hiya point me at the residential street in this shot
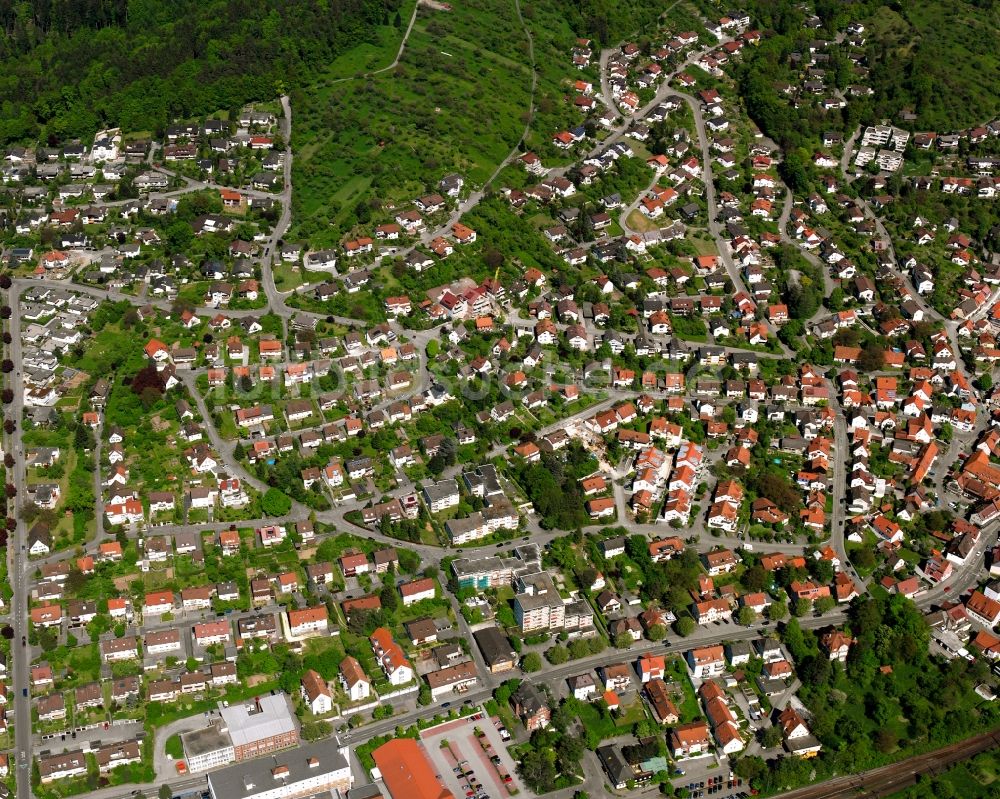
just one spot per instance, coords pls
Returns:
(19, 569)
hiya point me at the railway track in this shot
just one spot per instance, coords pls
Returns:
(885, 780)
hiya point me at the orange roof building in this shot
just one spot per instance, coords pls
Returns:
(407, 771)
(155, 346)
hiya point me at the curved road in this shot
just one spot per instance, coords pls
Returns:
(476, 197)
(399, 52)
(714, 226)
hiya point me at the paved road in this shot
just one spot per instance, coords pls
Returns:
(845, 157)
(179, 785)
(337, 516)
(476, 196)
(226, 449)
(275, 300)
(950, 327)
(714, 227)
(703, 636)
(839, 489)
(162, 304)
(98, 481)
(828, 284)
(627, 212)
(18, 570)
(270, 251)
(621, 130)
(164, 766)
(607, 96)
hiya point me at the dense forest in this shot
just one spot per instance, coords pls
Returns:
(610, 21)
(69, 67)
(937, 61)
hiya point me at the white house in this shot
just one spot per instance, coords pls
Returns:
(354, 680)
(316, 693)
(707, 661)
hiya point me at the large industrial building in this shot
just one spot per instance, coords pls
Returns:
(317, 769)
(246, 730)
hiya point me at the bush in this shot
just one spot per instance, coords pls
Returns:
(424, 697)
(276, 503)
(777, 610)
(863, 559)
(531, 662)
(824, 604)
(771, 737)
(316, 730)
(746, 616)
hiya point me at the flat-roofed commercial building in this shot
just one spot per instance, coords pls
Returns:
(249, 729)
(317, 769)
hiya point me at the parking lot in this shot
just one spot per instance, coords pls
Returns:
(723, 785)
(93, 735)
(464, 762)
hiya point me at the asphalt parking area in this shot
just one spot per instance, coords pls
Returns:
(455, 745)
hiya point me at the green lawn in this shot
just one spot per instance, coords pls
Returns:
(688, 708)
(194, 292)
(596, 720)
(629, 715)
(289, 276)
(174, 747)
(82, 664)
(324, 655)
(704, 246)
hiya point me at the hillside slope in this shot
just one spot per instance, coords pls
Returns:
(458, 101)
(939, 59)
(69, 67)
